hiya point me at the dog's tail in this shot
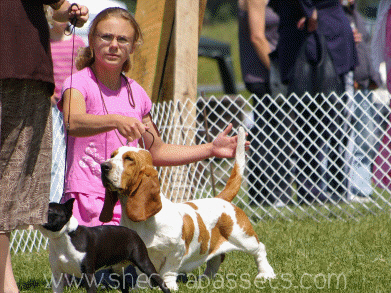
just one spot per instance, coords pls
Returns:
(233, 184)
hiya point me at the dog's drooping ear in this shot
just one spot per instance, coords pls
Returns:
(144, 197)
(111, 198)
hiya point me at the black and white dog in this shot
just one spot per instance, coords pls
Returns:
(80, 251)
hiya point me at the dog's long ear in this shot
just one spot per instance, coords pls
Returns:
(111, 198)
(144, 197)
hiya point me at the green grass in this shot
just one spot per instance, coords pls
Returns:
(307, 256)
(208, 72)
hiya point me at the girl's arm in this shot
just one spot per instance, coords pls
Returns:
(164, 154)
(82, 124)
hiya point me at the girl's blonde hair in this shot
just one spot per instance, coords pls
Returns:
(86, 58)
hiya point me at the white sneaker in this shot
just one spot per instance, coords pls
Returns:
(279, 204)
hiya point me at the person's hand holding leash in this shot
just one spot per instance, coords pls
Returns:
(64, 11)
(80, 12)
(131, 128)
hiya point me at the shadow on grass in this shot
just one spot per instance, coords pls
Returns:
(31, 285)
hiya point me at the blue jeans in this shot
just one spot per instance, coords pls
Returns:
(362, 145)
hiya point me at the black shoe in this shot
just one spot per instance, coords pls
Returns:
(182, 277)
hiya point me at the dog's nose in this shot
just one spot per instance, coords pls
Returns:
(105, 167)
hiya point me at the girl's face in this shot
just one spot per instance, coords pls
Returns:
(113, 42)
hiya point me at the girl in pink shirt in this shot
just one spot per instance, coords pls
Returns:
(108, 110)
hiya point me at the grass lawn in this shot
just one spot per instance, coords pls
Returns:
(208, 72)
(307, 256)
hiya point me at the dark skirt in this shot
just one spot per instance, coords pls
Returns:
(25, 152)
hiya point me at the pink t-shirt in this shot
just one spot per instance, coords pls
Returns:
(62, 60)
(85, 154)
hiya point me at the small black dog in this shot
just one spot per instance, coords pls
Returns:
(80, 251)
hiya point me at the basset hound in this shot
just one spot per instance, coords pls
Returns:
(180, 236)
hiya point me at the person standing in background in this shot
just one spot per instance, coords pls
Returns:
(364, 129)
(269, 164)
(306, 28)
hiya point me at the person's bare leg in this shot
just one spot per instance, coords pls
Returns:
(7, 279)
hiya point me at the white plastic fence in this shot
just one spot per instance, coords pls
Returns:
(311, 157)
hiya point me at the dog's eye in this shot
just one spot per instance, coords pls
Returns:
(130, 159)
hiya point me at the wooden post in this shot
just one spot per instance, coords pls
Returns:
(156, 20)
(166, 64)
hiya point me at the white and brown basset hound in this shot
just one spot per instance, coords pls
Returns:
(180, 236)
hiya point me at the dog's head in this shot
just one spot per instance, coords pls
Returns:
(60, 219)
(130, 172)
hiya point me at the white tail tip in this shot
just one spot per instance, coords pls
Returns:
(240, 150)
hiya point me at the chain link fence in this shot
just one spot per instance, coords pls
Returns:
(311, 157)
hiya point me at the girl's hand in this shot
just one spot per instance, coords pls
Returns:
(224, 146)
(131, 128)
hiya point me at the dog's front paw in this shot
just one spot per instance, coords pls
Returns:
(170, 280)
(173, 286)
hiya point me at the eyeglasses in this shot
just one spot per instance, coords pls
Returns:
(108, 38)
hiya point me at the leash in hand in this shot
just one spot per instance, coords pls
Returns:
(73, 21)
